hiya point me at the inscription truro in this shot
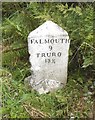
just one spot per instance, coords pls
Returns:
(53, 54)
(49, 54)
(48, 47)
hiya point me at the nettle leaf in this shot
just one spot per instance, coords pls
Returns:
(61, 7)
(61, 99)
(87, 62)
(78, 10)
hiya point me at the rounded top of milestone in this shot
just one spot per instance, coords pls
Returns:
(48, 28)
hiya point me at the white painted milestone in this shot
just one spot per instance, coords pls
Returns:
(48, 47)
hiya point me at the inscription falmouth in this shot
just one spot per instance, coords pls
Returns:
(51, 53)
(47, 41)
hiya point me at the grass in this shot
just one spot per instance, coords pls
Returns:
(22, 102)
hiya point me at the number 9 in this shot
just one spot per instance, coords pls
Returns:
(50, 47)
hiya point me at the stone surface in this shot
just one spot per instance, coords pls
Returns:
(48, 47)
